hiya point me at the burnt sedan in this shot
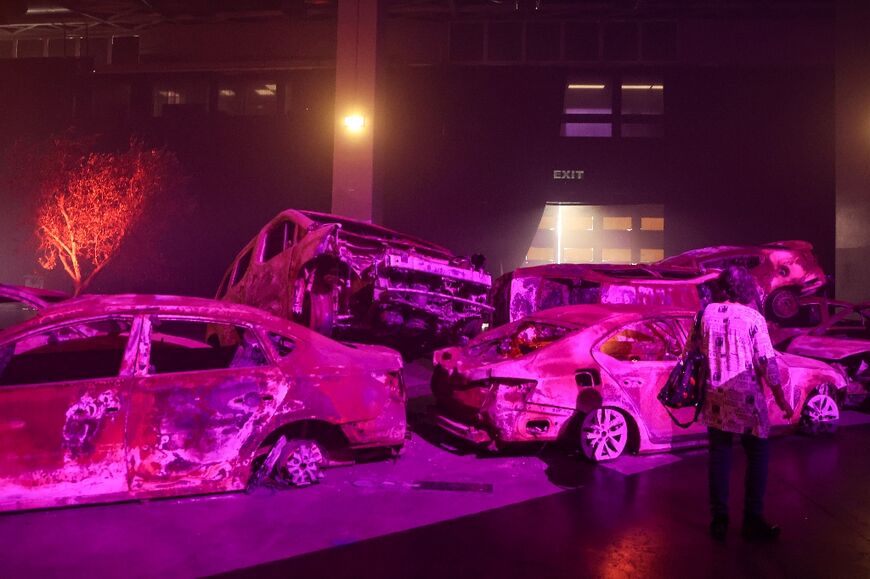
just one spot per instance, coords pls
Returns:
(588, 375)
(359, 281)
(20, 303)
(526, 290)
(109, 398)
(784, 270)
(835, 332)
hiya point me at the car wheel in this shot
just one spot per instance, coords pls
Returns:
(820, 414)
(301, 463)
(782, 305)
(604, 434)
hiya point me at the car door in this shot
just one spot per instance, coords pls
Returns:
(639, 356)
(198, 407)
(64, 400)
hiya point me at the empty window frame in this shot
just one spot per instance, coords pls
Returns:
(181, 346)
(278, 238)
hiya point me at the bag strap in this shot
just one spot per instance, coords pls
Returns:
(696, 336)
(689, 423)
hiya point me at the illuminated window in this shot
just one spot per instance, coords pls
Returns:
(591, 109)
(616, 255)
(540, 254)
(574, 233)
(652, 223)
(617, 223)
(578, 255)
(183, 96)
(588, 98)
(650, 255)
(593, 99)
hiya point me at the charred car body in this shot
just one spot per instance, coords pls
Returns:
(784, 270)
(110, 398)
(19, 303)
(589, 376)
(355, 280)
(526, 290)
(835, 332)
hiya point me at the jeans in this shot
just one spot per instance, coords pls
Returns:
(757, 453)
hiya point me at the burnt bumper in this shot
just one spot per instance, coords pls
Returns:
(468, 432)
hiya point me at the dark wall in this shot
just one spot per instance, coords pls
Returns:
(467, 157)
(242, 171)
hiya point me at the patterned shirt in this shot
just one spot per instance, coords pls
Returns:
(739, 351)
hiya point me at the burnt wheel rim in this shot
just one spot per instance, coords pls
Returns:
(822, 408)
(303, 463)
(784, 304)
(604, 434)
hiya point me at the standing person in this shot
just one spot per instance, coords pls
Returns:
(741, 362)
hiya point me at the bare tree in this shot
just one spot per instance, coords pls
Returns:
(90, 202)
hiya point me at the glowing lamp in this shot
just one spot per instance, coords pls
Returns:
(354, 123)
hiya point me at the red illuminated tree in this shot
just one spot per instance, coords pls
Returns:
(89, 202)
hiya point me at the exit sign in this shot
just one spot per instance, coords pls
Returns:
(569, 175)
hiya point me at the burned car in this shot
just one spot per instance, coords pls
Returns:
(111, 398)
(526, 290)
(835, 332)
(20, 303)
(359, 281)
(588, 376)
(784, 270)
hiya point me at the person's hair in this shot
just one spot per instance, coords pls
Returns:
(736, 284)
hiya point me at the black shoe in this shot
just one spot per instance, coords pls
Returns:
(757, 529)
(719, 527)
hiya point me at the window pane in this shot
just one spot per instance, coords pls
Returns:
(642, 130)
(183, 96)
(587, 130)
(578, 255)
(588, 98)
(642, 97)
(650, 255)
(182, 346)
(84, 351)
(652, 223)
(616, 255)
(617, 223)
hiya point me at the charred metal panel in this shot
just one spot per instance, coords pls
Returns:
(61, 443)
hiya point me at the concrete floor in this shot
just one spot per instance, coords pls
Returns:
(540, 514)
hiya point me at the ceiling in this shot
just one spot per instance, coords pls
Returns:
(26, 17)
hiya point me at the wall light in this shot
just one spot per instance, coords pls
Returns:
(585, 86)
(354, 123)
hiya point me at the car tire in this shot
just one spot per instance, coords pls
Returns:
(782, 305)
(820, 413)
(318, 303)
(291, 463)
(605, 434)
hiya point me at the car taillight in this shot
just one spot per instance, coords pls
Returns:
(513, 391)
(395, 383)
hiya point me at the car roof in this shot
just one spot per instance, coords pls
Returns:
(38, 297)
(590, 314)
(98, 305)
